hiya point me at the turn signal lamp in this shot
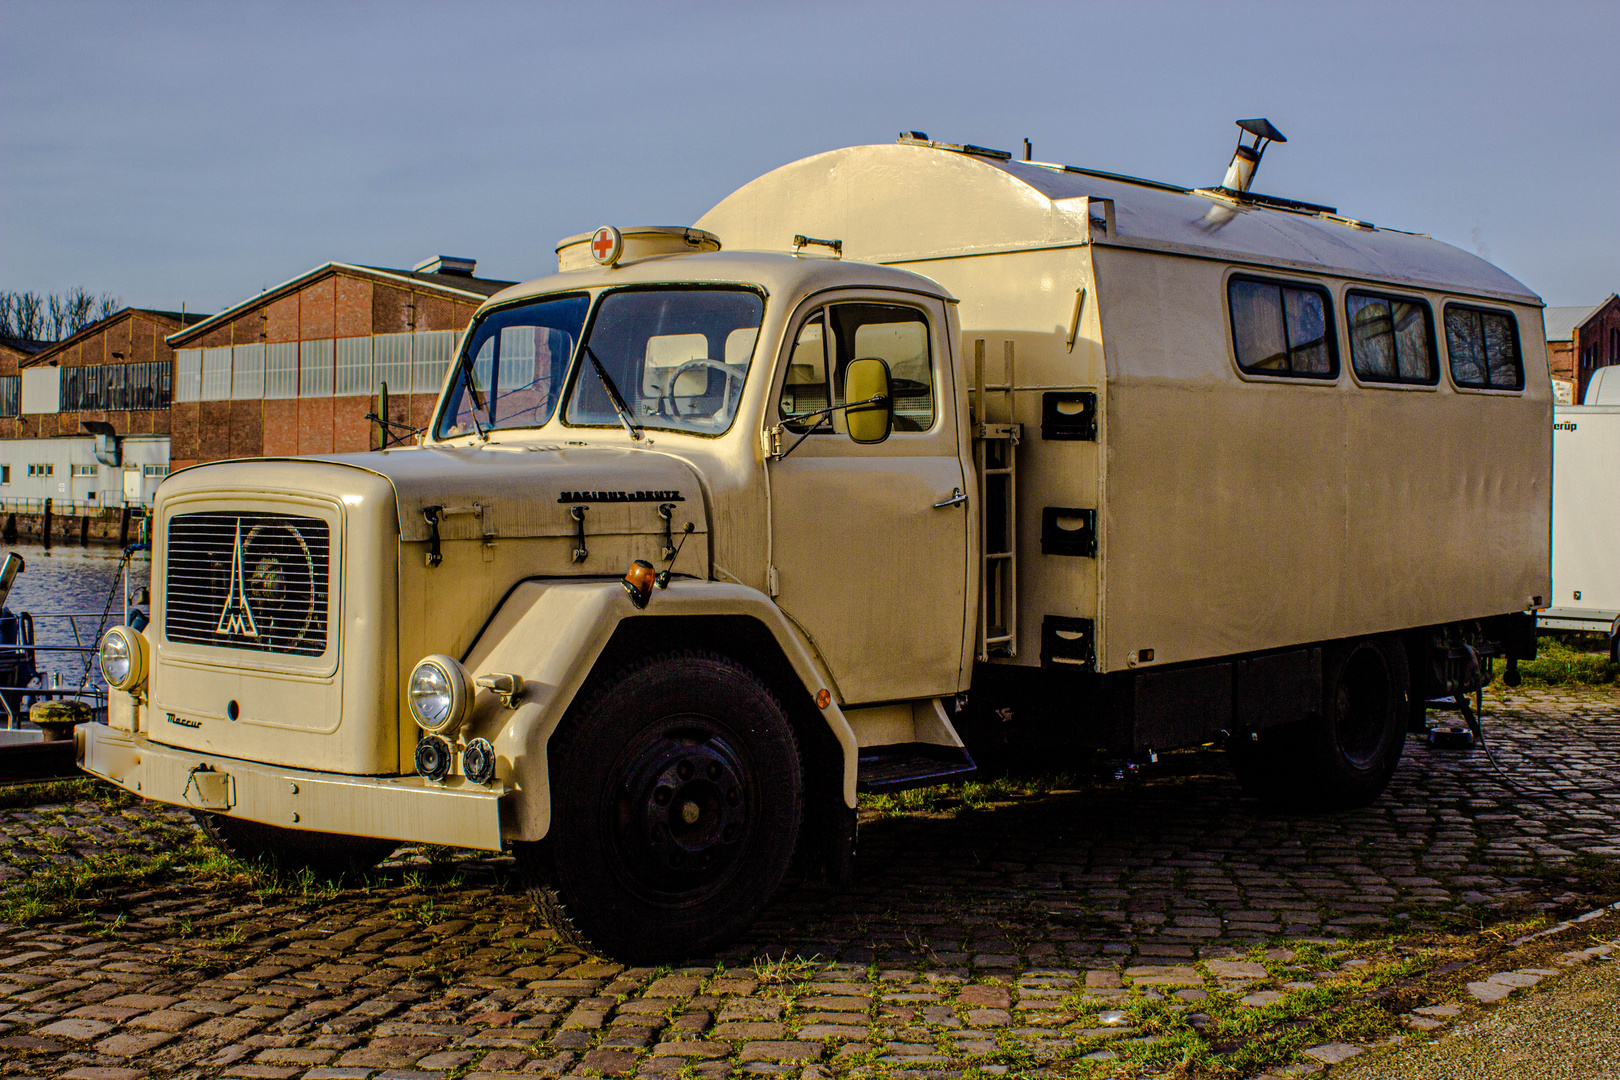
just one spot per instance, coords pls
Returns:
(123, 658)
(638, 582)
(440, 694)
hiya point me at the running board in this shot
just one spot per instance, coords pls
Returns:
(911, 765)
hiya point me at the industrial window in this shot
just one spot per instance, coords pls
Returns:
(216, 374)
(5, 474)
(1484, 348)
(391, 362)
(315, 369)
(431, 360)
(84, 470)
(188, 375)
(155, 470)
(1391, 339)
(847, 332)
(1280, 328)
(11, 395)
(281, 369)
(42, 470)
(353, 366)
(247, 372)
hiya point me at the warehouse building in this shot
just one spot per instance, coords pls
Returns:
(296, 369)
(85, 421)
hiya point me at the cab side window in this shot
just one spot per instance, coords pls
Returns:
(1484, 348)
(1281, 328)
(1391, 339)
(841, 333)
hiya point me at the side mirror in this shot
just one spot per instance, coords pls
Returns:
(867, 380)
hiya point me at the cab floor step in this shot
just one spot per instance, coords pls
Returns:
(910, 765)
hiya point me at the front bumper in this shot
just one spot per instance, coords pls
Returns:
(409, 809)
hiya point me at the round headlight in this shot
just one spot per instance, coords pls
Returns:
(440, 694)
(123, 658)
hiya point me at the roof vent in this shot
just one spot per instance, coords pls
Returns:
(446, 264)
(1246, 159)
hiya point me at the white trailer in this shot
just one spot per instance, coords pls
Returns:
(1586, 515)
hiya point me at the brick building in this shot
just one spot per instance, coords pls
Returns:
(296, 369)
(113, 375)
(1579, 341)
(14, 352)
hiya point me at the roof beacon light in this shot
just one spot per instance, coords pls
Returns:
(1246, 159)
(638, 582)
(607, 244)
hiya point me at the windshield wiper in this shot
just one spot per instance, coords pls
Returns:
(477, 398)
(619, 406)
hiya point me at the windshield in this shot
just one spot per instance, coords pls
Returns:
(519, 361)
(678, 357)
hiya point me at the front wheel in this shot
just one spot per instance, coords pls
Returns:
(677, 796)
(1344, 755)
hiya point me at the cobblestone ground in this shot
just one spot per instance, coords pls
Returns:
(1085, 932)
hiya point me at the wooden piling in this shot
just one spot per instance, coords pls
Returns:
(84, 531)
(123, 527)
(45, 527)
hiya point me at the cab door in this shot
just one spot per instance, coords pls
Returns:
(870, 542)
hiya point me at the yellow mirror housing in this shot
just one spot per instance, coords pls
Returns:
(867, 380)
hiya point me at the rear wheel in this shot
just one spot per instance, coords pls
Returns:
(327, 854)
(677, 797)
(1344, 755)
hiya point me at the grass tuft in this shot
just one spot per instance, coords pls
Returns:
(1570, 659)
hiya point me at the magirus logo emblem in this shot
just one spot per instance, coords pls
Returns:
(236, 617)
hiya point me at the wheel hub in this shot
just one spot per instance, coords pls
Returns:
(686, 808)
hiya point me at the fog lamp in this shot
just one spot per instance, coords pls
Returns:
(478, 761)
(440, 693)
(433, 757)
(638, 582)
(123, 658)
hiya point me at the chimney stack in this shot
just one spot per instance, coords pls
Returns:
(1246, 159)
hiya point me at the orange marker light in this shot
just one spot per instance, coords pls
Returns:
(638, 582)
(823, 698)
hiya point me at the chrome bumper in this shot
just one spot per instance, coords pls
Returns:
(409, 809)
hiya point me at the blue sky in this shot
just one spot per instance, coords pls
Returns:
(199, 152)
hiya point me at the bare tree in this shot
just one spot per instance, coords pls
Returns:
(22, 314)
(53, 317)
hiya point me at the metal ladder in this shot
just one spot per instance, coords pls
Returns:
(995, 443)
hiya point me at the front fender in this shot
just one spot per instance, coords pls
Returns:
(553, 632)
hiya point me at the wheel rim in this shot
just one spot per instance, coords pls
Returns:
(683, 802)
(1361, 707)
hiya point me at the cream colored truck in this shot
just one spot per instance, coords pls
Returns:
(717, 539)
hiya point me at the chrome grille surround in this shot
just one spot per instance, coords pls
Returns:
(248, 580)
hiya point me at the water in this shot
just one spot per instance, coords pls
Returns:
(74, 579)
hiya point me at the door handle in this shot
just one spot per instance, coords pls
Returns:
(957, 499)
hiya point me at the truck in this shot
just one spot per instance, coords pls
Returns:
(719, 526)
(1586, 513)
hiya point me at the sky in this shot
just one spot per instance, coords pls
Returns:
(197, 153)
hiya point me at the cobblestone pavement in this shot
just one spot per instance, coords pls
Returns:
(1096, 931)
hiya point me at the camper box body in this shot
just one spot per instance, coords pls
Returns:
(1233, 513)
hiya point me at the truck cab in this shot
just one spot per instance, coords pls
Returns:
(426, 644)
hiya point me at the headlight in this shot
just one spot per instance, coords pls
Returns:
(440, 694)
(123, 658)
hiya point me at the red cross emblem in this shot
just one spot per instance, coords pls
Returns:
(606, 245)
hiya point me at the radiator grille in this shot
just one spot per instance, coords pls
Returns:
(248, 581)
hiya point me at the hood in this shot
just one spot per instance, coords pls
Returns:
(522, 491)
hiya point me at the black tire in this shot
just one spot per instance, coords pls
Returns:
(326, 854)
(677, 797)
(1344, 755)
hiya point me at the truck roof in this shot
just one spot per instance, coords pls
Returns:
(908, 203)
(778, 274)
